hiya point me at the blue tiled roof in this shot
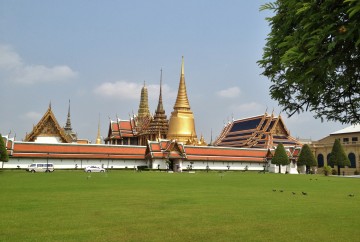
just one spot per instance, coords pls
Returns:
(245, 125)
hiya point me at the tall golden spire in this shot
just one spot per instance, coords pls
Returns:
(182, 123)
(182, 101)
(143, 110)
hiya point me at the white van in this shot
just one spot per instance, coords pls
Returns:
(41, 167)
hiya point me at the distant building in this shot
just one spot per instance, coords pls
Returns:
(262, 131)
(350, 140)
(48, 130)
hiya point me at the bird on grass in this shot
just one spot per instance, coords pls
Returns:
(281, 190)
(293, 193)
(274, 190)
(304, 193)
(351, 195)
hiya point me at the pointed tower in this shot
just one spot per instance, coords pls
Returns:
(68, 128)
(159, 125)
(98, 137)
(143, 110)
(182, 123)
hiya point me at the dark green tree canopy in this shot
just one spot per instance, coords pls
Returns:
(280, 156)
(306, 157)
(312, 57)
(338, 156)
(3, 152)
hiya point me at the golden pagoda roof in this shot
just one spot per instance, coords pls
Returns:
(182, 123)
(48, 126)
(182, 101)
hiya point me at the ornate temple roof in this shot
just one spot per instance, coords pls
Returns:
(170, 149)
(119, 129)
(76, 151)
(48, 126)
(159, 124)
(263, 131)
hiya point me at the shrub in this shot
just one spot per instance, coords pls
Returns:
(327, 170)
(334, 172)
(356, 172)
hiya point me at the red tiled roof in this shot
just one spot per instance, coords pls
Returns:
(29, 149)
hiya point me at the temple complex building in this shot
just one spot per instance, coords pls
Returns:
(157, 142)
(350, 141)
(48, 130)
(262, 131)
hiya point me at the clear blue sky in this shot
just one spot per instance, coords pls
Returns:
(99, 53)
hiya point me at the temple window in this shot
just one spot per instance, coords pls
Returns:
(354, 139)
(320, 159)
(352, 159)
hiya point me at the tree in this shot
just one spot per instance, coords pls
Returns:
(338, 156)
(306, 157)
(4, 157)
(312, 57)
(280, 157)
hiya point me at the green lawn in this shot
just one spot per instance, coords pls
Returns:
(158, 206)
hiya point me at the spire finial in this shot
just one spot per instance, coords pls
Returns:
(67, 127)
(160, 107)
(182, 101)
(98, 138)
(182, 65)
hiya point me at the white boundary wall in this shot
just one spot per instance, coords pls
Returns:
(23, 163)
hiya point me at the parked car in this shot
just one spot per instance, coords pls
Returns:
(94, 169)
(40, 167)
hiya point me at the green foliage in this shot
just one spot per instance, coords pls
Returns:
(338, 156)
(280, 156)
(306, 157)
(312, 57)
(327, 170)
(3, 152)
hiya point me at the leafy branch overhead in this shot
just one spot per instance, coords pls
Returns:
(312, 57)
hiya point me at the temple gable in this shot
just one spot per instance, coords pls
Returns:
(48, 130)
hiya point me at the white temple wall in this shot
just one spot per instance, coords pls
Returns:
(47, 139)
(220, 165)
(23, 163)
(158, 164)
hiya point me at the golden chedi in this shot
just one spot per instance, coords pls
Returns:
(182, 123)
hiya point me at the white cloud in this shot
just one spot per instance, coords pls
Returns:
(231, 92)
(119, 90)
(124, 90)
(252, 108)
(33, 116)
(14, 69)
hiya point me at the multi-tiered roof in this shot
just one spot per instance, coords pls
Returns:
(263, 131)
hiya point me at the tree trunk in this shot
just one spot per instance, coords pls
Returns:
(338, 170)
(279, 168)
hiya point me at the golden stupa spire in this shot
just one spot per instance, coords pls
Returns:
(98, 138)
(182, 123)
(182, 101)
(143, 110)
(160, 107)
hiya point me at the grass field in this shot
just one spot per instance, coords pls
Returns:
(158, 206)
